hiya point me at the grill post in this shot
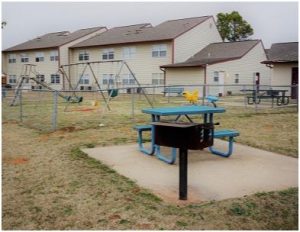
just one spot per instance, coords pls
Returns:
(183, 167)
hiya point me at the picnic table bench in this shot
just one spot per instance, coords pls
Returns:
(177, 90)
(257, 95)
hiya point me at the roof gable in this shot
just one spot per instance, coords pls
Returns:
(283, 52)
(218, 52)
(143, 32)
(54, 39)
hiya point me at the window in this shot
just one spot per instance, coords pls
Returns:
(55, 79)
(236, 79)
(54, 56)
(12, 79)
(157, 78)
(24, 58)
(128, 79)
(129, 52)
(85, 79)
(108, 79)
(108, 54)
(39, 57)
(41, 77)
(83, 55)
(159, 50)
(216, 76)
(12, 58)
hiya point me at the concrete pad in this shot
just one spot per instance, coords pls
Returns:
(247, 171)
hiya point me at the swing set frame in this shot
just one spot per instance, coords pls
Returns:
(112, 92)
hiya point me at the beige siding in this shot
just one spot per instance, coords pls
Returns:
(282, 76)
(195, 40)
(186, 76)
(46, 67)
(245, 67)
(142, 64)
(65, 53)
(64, 49)
(4, 63)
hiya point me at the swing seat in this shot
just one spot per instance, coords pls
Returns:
(113, 92)
(74, 99)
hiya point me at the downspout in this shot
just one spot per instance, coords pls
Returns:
(205, 82)
(164, 71)
(173, 50)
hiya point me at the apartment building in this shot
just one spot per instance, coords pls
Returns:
(283, 63)
(47, 52)
(144, 47)
(220, 64)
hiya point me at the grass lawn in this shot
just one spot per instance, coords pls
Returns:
(47, 183)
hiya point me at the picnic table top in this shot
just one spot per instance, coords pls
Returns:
(181, 110)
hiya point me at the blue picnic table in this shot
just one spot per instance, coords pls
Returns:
(180, 111)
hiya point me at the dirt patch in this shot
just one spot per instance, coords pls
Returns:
(67, 129)
(82, 110)
(16, 161)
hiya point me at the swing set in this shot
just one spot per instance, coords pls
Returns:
(29, 72)
(112, 83)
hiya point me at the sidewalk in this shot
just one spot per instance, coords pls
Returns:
(247, 171)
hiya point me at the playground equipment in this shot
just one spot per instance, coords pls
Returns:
(29, 73)
(191, 97)
(112, 87)
(212, 100)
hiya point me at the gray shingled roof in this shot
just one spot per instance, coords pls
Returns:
(143, 32)
(52, 39)
(217, 52)
(283, 53)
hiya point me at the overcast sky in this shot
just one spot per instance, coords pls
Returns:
(272, 22)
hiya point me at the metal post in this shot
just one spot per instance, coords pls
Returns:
(132, 103)
(245, 96)
(21, 105)
(255, 97)
(183, 153)
(203, 95)
(54, 111)
(153, 93)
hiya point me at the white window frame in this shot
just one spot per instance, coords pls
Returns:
(55, 79)
(108, 79)
(236, 78)
(85, 79)
(108, 54)
(216, 76)
(41, 77)
(83, 55)
(39, 57)
(12, 79)
(157, 79)
(12, 58)
(159, 50)
(128, 79)
(24, 58)
(54, 55)
(129, 52)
